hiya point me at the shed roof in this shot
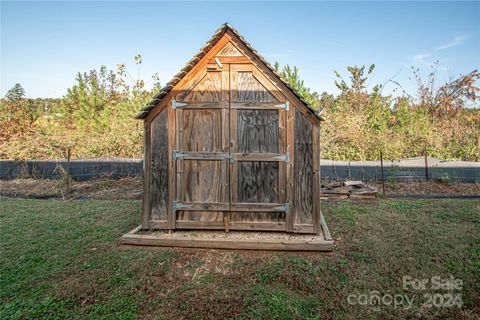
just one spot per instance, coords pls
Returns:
(210, 43)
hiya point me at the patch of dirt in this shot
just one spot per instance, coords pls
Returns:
(132, 188)
(105, 188)
(429, 187)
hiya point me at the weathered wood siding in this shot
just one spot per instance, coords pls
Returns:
(246, 88)
(159, 167)
(258, 182)
(257, 131)
(232, 151)
(208, 89)
(203, 181)
(202, 130)
(258, 217)
(229, 51)
(303, 169)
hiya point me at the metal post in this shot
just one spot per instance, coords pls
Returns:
(383, 177)
(426, 164)
(69, 154)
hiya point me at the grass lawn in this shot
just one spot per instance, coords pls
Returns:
(63, 260)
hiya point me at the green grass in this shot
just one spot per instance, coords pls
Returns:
(63, 260)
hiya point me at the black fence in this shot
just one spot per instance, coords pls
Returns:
(78, 169)
(414, 169)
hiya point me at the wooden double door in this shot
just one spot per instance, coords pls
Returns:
(231, 156)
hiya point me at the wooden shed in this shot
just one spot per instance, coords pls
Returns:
(229, 145)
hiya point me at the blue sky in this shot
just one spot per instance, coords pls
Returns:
(44, 44)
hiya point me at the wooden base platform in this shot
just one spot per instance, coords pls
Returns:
(237, 240)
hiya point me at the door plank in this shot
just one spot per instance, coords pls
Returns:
(235, 225)
(204, 150)
(260, 207)
(290, 191)
(172, 137)
(202, 130)
(258, 156)
(210, 206)
(257, 131)
(258, 181)
(282, 140)
(180, 144)
(233, 165)
(316, 180)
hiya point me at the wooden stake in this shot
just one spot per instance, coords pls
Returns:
(226, 223)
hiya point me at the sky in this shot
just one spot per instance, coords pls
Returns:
(45, 44)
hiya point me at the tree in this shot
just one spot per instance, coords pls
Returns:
(327, 101)
(18, 113)
(16, 93)
(94, 92)
(446, 100)
(291, 76)
(357, 77)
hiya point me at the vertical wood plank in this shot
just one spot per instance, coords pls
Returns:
(258, 182)
(225, 83)
(257, 131)
(201, 130)
(282, 140)
(225, 148)
(233, 149)
(179, 146)
(203, 181)
(316, 180)
(303, 169)
(290, 192)
(226, 141)
(320, 174)
(158, 167)
(171, 166)
(146, 176)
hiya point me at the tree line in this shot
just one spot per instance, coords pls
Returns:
(95, 118)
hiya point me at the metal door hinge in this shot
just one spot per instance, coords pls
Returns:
(178, 155)
(285, 157)
(179, 205)
(283, 208)
(176, 104)
(285, 105)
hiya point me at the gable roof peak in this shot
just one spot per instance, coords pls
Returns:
(190, 64)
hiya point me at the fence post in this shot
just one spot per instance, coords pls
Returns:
(426, 163)
(69, 154)
(383, 177)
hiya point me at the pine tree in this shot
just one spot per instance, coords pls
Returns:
(16, 93)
